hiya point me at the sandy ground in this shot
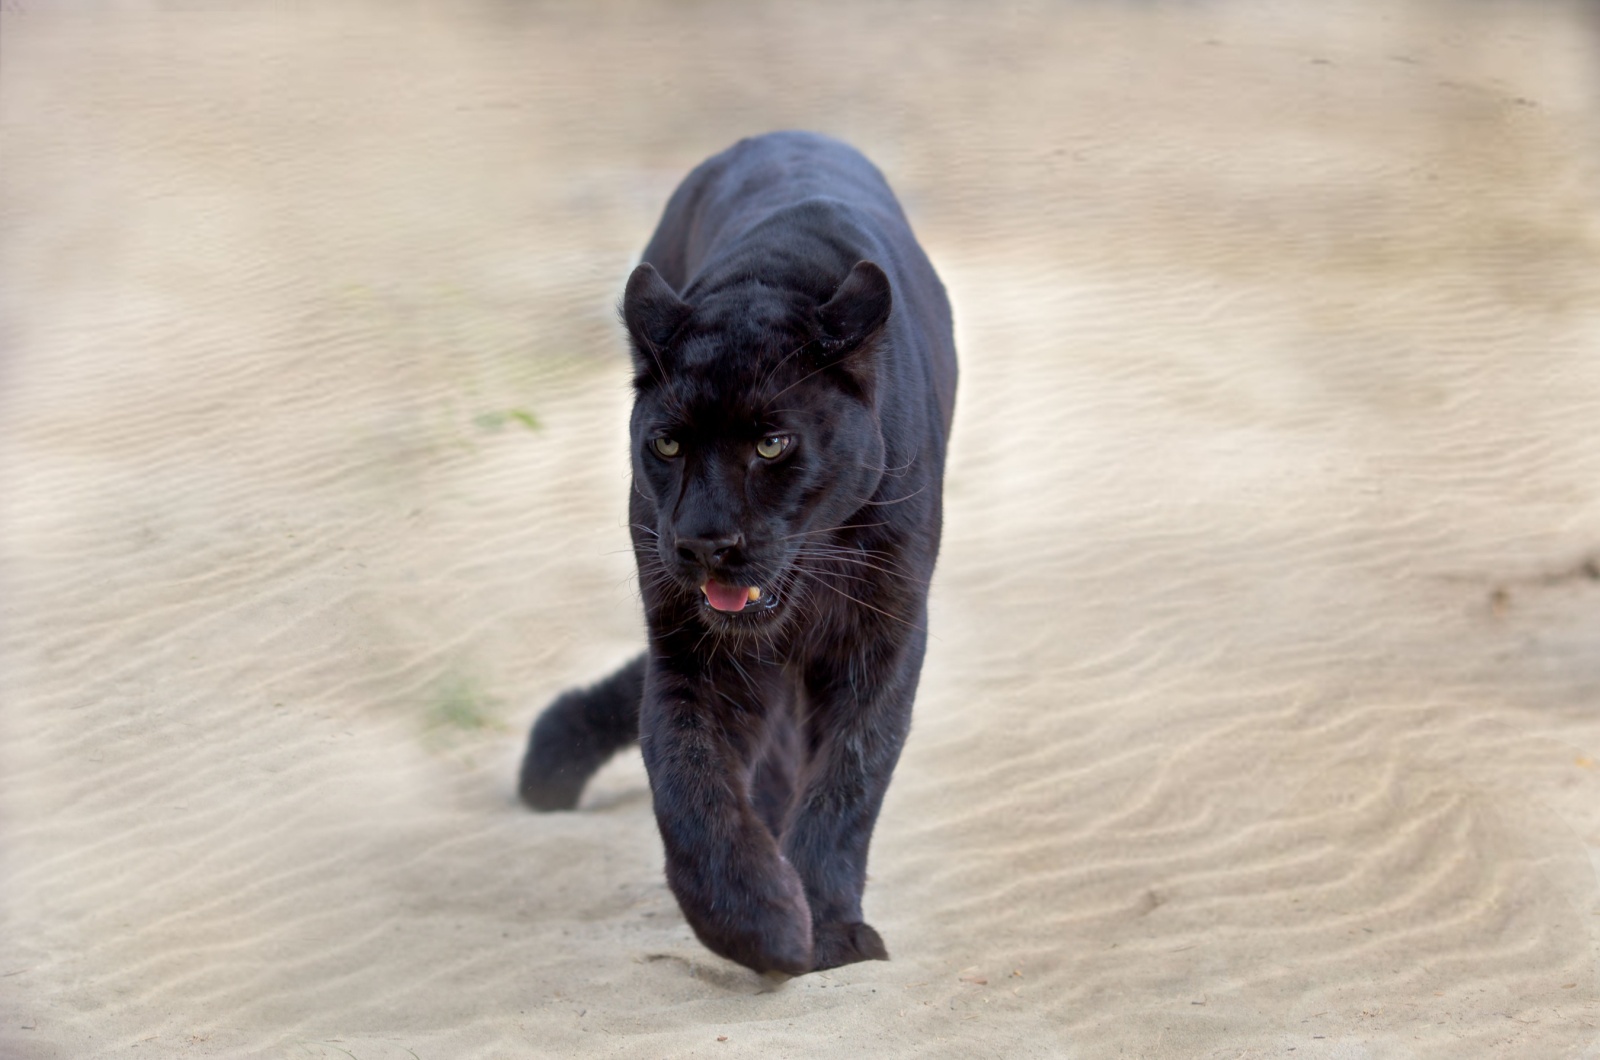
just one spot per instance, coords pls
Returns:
(1262, 711)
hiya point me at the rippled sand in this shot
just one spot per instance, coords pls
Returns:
(1263, 705)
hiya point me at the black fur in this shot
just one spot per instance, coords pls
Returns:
(783, 297)
(577, 733)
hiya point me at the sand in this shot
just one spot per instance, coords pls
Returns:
(1261, 715)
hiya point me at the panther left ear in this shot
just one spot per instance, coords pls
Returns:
(850, 319)
(857, 309)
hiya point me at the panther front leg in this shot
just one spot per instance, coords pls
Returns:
(738, 892)
(831, 828)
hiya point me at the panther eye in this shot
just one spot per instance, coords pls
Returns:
(665, 447)
(769, 447)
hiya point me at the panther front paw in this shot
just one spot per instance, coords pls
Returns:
(763, 922)
(835, 944)
(763, 939)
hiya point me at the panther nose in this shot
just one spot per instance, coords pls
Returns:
(709, 552)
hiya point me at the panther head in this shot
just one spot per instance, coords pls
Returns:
(755, 433)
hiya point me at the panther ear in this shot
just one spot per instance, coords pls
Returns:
(652, 312)
(855, 313)
(857, 309)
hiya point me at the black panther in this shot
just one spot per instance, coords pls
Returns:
(794, 378)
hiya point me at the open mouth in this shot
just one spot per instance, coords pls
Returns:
(733, 599)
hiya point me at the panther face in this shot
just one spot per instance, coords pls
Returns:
(754, 435)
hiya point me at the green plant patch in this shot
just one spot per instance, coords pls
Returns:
(460, 704)
(499, 418)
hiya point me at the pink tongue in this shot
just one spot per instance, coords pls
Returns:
(726, 597)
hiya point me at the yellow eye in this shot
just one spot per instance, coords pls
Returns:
(665, 447)
(768, 448)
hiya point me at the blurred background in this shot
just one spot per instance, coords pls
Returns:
(1262, 706)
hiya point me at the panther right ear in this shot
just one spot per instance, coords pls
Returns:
(652, 312)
